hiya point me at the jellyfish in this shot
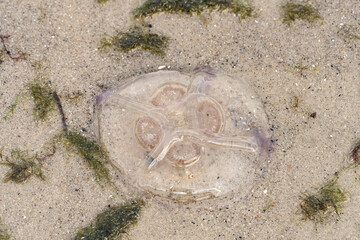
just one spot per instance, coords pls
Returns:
(185, 136)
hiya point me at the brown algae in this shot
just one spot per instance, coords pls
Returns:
(136, 37)
(325, 202)
(111, 223)
(241, 8)
(303, 11)
(91, 152)
(22, 166)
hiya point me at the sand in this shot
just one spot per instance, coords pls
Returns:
(64, 36)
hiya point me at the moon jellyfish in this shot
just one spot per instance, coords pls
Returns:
(185, 136)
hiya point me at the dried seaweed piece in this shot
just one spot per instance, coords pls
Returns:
(112, 222)
(43, 99)
(22, 167)
(61, 110)
(136, 37)
(355, 154)
(241, 8)
(91, 152)
(303, 11)
(323, 204)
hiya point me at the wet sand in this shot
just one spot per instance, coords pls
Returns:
(64, 36)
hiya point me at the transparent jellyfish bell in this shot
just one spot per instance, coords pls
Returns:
(185, 136)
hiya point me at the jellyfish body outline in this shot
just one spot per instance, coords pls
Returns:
(172, 134)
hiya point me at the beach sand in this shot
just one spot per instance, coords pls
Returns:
(296, 70)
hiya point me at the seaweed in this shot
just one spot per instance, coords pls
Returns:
(42, 14)
(106, 43)
(295, 102)
(42, 96)
(111, 223)
(12, 107)
(21, 55)
(348, 32)
(61, 111)
(241, 8)
(355, 154)
(43, 99)
(302, 68)
(324, 203)
(136, 37)
(86, 147)
(91, 152)
(303, 11)
(4, 235)
(22, 167)
(102, 2)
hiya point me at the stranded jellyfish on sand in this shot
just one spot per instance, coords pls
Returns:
(185, 136)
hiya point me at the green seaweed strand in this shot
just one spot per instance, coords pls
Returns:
(112, 222)
(91, 152)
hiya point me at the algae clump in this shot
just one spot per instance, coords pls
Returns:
(86, 147)
(4, 235)
(323, 204)
(136, 37)
(348, 32)
(12, 107)
(102, 2)
(303, 11)
(112, 222)
(242, 9)
(22, 167)
(150, 7)
(91, 152)
(43, 99)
